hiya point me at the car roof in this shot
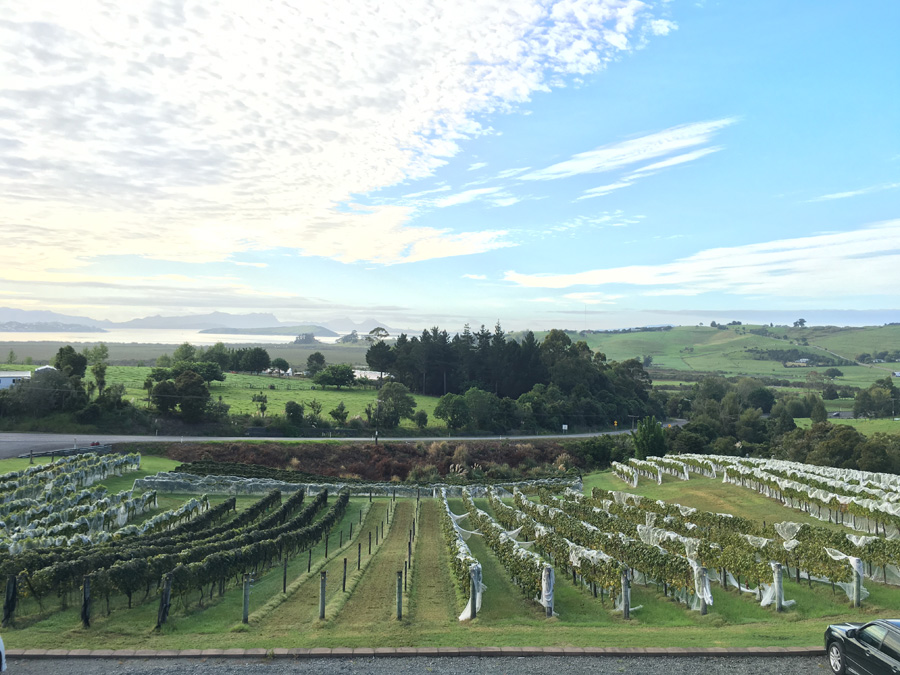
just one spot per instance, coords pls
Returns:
(892, 622)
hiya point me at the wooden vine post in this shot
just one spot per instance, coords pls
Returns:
(779, 592)
(284, 577)
(86, 602)
(322, 596)
(399, 595)
(344, 583)
(245, 618)
(626, 596)
(165, 601)
(703, 608)
(12, 598)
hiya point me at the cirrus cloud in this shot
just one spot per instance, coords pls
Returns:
(841, 264)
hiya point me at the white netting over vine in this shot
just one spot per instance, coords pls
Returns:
(849, 587)
(787, 530)
(464, 555)
(864, 501)
(475, 575)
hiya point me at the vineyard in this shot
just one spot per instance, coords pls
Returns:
(687, 550)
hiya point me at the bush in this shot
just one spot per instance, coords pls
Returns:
(89, 414)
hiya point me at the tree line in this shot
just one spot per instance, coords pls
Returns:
(489, 382)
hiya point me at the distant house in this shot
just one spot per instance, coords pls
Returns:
(896, 373)
(802, 360)
(10, 377)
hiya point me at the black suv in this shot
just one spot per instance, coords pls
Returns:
(864, 649)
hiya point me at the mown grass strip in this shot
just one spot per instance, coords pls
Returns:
(432, 597)
(374, 601)
(301, 611)
(502, 602)
(308, 581)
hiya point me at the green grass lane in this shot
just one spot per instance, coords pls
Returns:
(432, 599)
(373, 603)
(502, 603)
(299, 613)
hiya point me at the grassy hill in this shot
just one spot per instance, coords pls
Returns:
(702, 349)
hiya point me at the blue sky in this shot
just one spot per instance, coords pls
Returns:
(589, 164)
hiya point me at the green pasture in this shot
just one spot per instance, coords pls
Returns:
(702, 349)
(864, 426)
(238, 390)
(364, 613)
(851, 341)
(133, 353)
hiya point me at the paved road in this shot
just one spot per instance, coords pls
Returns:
(537, 665)
(15, 444)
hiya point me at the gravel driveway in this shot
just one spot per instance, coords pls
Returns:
(537, 665)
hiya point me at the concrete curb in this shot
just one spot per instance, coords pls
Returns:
(370, 652)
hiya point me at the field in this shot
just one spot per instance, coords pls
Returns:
(864, 426)
(700, 349)
(365, 613)
(131, 354)
(238, 390)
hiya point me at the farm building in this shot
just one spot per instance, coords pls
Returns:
(9, 377)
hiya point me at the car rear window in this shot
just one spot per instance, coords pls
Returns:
(891, 645)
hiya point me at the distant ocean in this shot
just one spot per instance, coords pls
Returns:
(154, 336)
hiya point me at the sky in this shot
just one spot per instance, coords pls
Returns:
(589, 164)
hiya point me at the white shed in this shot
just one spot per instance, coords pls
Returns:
(9, 377)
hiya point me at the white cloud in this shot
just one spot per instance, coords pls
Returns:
(856, 193)
(593, 298)
(464, 197)
(413, 195)
(605, 189)
(505, 201)
(662, 26)
(830, 265)
(648, 170)
(192, 132)
(674, 161)
(477, 277)
(509, 173)
(608, 219)
(665, 292)
(476, 166)
(625, 153)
